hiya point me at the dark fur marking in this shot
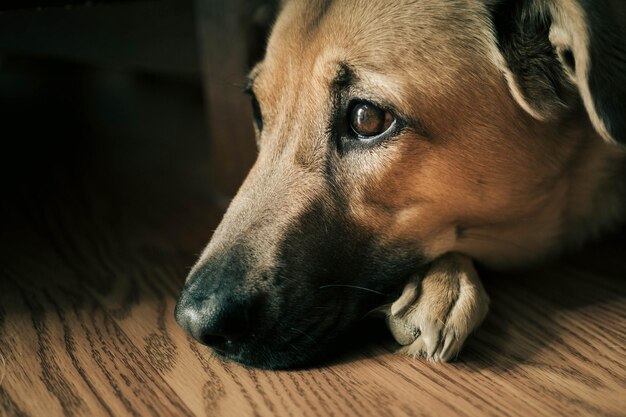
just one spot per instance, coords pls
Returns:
(326, 248)
(343, 80)
(568, 60)
(344, 77)
(522, 35)
(607, 55)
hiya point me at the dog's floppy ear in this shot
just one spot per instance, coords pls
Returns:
(551, 49)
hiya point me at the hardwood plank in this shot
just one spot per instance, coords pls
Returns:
(65, 353)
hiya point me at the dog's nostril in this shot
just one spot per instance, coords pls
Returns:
(217, 322)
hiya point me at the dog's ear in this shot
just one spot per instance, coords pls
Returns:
(553, 51)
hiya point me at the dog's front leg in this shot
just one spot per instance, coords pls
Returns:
(436, 312)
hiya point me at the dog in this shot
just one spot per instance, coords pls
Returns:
(400, 141)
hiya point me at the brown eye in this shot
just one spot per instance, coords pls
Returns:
(367, 120)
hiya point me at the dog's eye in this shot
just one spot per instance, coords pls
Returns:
(368, 120)
(256, 107)
(256, 112)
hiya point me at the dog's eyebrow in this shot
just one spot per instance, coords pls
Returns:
(344, 77)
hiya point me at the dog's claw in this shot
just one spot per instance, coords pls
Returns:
(431, 335)
(409, 294)
(434, 315)
(448, 347)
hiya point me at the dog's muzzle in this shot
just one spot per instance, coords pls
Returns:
(290, 308)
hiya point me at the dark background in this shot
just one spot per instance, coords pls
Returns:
(126, 95)
(98, 99)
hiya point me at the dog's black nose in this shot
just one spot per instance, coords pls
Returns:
(219, 305)
(217, 319)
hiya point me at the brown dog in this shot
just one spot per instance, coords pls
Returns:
(402, 140)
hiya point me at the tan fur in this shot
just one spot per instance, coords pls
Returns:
(483, 177)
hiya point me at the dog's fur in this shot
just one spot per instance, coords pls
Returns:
(506, 151)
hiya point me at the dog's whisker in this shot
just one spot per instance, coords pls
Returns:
(352, 286)
(295, 348)
(377, 311)
(303, 334)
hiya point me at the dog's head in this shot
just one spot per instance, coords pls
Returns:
(389, 133)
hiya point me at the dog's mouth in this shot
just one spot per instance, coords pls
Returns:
(287, 347)
(269, 357)
(284, 352)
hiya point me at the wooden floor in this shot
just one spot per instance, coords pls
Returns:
(93, 255)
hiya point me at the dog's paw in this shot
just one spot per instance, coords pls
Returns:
(435, 313)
